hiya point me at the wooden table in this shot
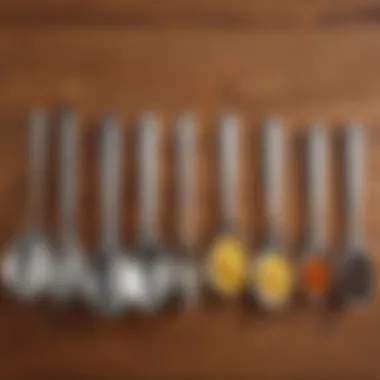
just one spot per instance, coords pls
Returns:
(304, 60)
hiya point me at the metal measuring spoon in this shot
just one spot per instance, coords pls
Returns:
(157, 263)
(271, 274)
(107, 285)
(315, 269)
(226, 262)
(355, 271)
(70, 263)
(27, 264)
(188, 267)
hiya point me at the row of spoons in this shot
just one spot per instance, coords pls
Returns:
(114, 279)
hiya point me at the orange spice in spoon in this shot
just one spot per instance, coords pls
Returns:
(315, 276)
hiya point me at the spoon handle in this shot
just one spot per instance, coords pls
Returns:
(37, 166)
(316, 186)
(272, 174)
(110, 181)
(354, 167)
(186, 188)
(229, 162)
(68, 174)
(148, 179)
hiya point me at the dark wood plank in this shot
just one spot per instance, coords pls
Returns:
(198, 14)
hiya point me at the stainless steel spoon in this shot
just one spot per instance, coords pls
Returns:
(316, 183)
(188, 276)
(27, 264)
(157, 262)
(70, 262)
(356, 273)
(315, 269)
(106, 285)
(273, 278)
(226, 262)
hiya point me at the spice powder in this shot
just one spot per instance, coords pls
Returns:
(227, 266)
(315, 276)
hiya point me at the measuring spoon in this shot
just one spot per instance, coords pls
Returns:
(272, 274)
(227, 257)
(356, 273)
(27, 264)
(70, 263)
(315, 270)
(188, 266)
(157, 263)
(107, 285)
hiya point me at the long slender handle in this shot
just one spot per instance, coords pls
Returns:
(316, 183)
(110, 181)
(229, 156)
(68, 174)
(354, 168)
(37, 169)
(272, 171)
(148, 179)
(186, 189)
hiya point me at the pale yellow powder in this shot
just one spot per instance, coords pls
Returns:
(273, 277)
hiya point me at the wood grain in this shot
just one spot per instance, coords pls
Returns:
(262, 58)
(197, 14)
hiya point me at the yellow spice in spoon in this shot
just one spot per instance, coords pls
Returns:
(227, 266)
(273, 277)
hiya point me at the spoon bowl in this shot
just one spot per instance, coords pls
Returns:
(356, 277)
(274, 279)
(226, 266)
(69, 272)
(188, 280)
(111, 281)
(27, 266)
(315, 277)
(159, 278)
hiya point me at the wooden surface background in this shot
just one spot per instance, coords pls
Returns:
(305, 60)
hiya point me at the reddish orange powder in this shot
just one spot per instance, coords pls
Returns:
(315, 276)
